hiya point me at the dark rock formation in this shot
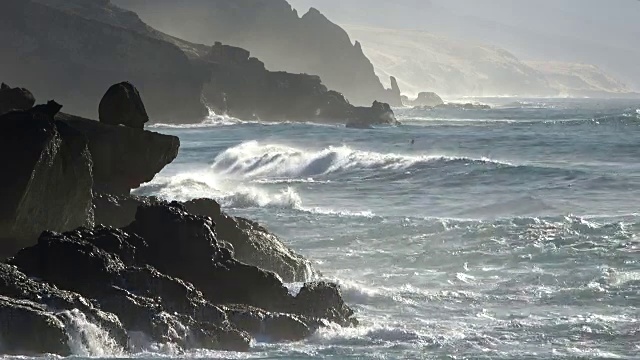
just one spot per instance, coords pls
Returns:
(118, 211)
(123, 157)
(193, 254)
(144, 299)
(378, 114)
(47, 178)
(394, 97)
(15, 99)
(427, 99)
(74, 49)
(253, 244)
(275, 33)
(164, 274)
(161, 276)
(28, 328)
(121, 104)
(249, 242)
(241, 86)
(323, 300)
(62, 159)
(31, 308)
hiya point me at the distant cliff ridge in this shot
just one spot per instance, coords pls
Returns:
(579, 79)
(275, 34)
(451, 67)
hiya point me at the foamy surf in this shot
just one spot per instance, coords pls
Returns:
(213, 120)
(253, 159)
(87, 338)
(233, 194)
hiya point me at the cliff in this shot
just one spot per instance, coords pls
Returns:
(242, 87)
(74, 50)
(47, 177)
(575, 79)
(275, 34)
(164, 274)
(423, 61)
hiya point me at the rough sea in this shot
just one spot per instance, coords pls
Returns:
(509, 233)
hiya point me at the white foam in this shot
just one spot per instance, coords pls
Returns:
(213, 120)
(87, 338)
(256, 160)
(247, 197)
(232, 193)
(366, 334)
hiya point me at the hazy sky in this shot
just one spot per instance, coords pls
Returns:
(602, 32)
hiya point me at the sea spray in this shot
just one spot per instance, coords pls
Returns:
(256, 160)
(87, 338)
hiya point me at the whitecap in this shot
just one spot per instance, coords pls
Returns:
(253, 159)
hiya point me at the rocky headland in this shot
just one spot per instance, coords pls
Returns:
(52, 49)
(242, 87)
(280, 37)
(79, 250)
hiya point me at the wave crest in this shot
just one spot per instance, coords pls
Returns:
(253, 159)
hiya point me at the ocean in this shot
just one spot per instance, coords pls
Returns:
(509, 233)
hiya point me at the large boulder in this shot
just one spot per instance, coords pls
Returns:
(122, 104)
(378, 114)
(15, 99)
(50, 180)
(123, 157)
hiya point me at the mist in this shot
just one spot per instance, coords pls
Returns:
(601, 33)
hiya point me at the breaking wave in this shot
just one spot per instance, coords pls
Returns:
(256, 160)
(87, 338)
(229, 193)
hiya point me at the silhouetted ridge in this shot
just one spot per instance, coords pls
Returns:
(276, 35)
(73, 50)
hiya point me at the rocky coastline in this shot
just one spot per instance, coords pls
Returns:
(76, 247)
(50, 49)
(242, 87)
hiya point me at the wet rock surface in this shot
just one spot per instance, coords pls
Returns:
(165, 275)
(183, 274)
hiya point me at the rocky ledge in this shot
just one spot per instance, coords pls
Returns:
(81, 253)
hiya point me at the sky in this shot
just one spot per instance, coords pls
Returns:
(605, 33)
